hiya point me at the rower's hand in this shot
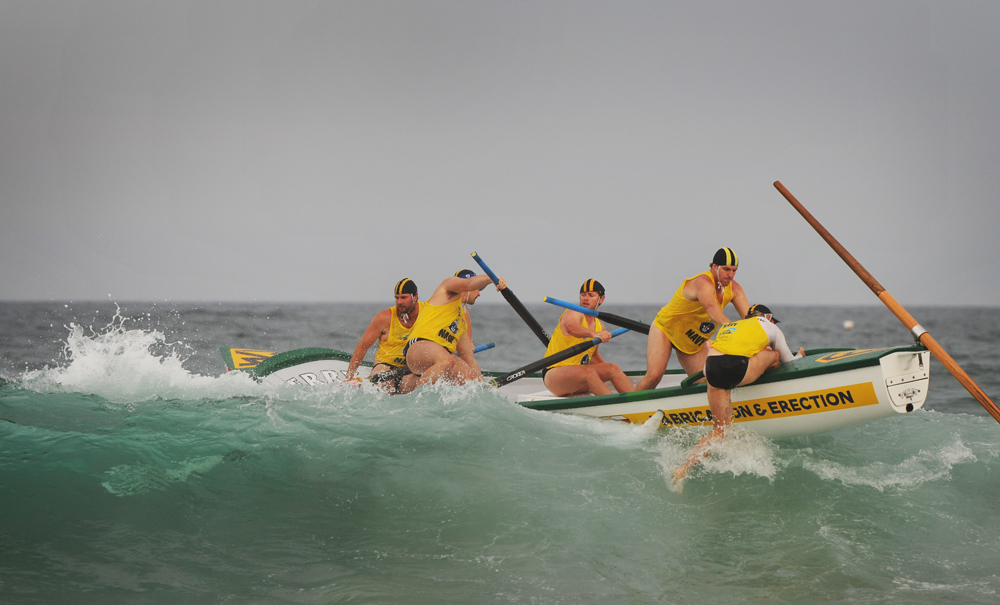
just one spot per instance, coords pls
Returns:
(501, 284)
(802, 352)
(605, 336)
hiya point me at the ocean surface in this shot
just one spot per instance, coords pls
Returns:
(134, 469)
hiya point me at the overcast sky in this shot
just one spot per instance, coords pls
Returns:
(320, 151)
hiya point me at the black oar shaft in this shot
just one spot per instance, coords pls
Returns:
(545, 362)
(611, 318)
(624, 322)
(515, 303)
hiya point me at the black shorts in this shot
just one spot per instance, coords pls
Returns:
(726, 371)
(415, 340)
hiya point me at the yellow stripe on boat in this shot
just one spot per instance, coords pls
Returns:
(798, 404)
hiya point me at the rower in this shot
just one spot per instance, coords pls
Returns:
(391, 329)
(742, 352)
(587, 371)
(690, 318)
(443, 329)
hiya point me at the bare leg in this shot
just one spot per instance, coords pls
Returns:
(407, 383)
(760, 363)
(575, 380)
(720, 402)
(611, 371)
(433, 362)
(693, 362)
(658, 350)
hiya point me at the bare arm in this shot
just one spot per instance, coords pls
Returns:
(465, 349)
(378, 326)
(571, 324)
(704, 291)
(740, 300)
(478, 282)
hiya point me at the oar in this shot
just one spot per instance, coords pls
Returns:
(610, 318)
(403, 370)
(897, 309)
(545, 362)
(515, 303)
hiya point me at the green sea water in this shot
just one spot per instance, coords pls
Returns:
(133, 469)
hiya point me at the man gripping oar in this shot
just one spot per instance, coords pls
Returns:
(587, 371)
(444, 329)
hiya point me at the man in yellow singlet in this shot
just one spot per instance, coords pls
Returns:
(391, 329)
(586, 372)
(690, 318)
(443, 330)
(741, 353)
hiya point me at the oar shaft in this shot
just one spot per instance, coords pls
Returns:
(897, 309)
(545, 362)
(513, 301)
(610, 318)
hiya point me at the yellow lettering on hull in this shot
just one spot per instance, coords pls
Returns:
(797, 404)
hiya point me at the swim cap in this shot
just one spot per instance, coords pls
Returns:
(406, 286)
(725, 256)
(760, 310)
(592, 285)
(465, 273)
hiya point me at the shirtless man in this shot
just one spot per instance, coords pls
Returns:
(443, 329)
(742, 352)
(586, 372)
(391, 329)
(691, 317)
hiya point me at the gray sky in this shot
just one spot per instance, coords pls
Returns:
(320, 151)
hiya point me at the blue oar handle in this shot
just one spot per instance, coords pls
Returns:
(618, 332)
(571, 306)
(484, 346)
(616, 320)
(486, 268)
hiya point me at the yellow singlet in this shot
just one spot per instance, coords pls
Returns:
(443, 324)
(561, 341)
(390, 352)
(745, 338)
(681, 320)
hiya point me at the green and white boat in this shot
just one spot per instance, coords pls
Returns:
(826, 390)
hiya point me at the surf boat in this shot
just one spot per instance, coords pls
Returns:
(825, 390)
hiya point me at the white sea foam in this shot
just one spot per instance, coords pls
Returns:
(130, 480)
(742, 452)
(926, 465)
(127, 365)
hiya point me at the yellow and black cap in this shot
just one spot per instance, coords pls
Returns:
(406, 286)
(465, 273)
(592, 285)
(724, 257)
(760, 310)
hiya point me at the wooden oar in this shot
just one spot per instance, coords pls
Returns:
(515, 303)
(897, 309)
(545, 362)
(610, 318)
(401, 371)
